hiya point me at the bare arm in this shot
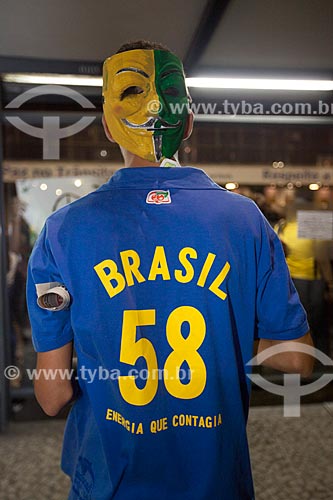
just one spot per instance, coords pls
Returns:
(290, 362)
(53, 395)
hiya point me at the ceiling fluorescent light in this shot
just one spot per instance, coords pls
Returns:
(45, 79)
(200, 82)
(260, 84)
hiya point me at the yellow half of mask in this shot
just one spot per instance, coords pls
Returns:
(146, 103)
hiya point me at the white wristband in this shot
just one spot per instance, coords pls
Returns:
(52, 296)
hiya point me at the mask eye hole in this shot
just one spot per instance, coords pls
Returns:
(133, 90)
(171, 91)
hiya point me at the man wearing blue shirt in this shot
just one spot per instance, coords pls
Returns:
(169, 280)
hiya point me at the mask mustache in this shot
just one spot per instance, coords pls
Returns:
(150, 124)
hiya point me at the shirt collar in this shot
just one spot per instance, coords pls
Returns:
(158, 177)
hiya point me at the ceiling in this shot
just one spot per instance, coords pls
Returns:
(86, 30)
(280, 34)
(210, 35)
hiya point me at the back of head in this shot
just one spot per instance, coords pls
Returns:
(146, 102)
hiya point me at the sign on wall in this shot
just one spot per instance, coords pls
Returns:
(242, 174)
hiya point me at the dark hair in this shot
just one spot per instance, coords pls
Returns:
(142, 44)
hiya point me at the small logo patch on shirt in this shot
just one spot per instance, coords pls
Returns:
(158, 197)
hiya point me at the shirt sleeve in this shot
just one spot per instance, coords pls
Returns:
(50, 329)
(280, 314)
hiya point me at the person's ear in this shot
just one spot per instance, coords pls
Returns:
(189, 126)
(106, 130)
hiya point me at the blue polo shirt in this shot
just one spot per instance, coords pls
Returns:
(171, 279)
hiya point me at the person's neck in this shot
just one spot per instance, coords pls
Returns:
(132, 161)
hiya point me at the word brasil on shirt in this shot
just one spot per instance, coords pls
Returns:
(115, 282)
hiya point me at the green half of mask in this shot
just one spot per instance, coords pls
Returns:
(174, 101)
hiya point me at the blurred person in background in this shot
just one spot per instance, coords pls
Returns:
(270, 205)
(18, 252)
(311, 271)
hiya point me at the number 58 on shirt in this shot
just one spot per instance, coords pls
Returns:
(183, 350)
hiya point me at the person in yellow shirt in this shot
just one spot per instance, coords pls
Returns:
(310, 275)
